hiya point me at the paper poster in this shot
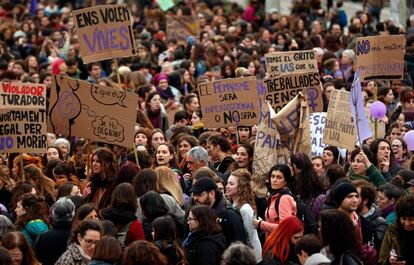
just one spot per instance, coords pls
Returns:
(100, 113)
(22, 118)
(229, 102)
(165, 4)
(104, 32)
(281, 90)
(292, 62)
(317, 124)
(180, 28)
(380, 57)
(339, 127)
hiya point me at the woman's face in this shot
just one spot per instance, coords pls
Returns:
(192, 222)
(191, 69)
(163, 155)
(89, 241)
(409, 105)
(186, 77)
(157, 138)
(243, 158)
(397, 148)
(17, 255)
(64, 148)
(384, 151)
(318, 166)
(401, 120)
(33, 62)
(15, 170)
(20, 211)
(163, 84)
(193, 105)
(277, 180)
(92, 216)
(232, 187)
(296, 237)
(389, 97)
(96, 165)
(407, 223)
(52, 153)
(346, 59)
(155, 103)
(328, 157)
(358, 166)
(251, 68)
(75, 191)
(141, 139)
(184, 147)
(328, 91)
(194, 118)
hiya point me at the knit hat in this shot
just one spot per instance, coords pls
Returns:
(203, 184)
(159, 77)
(341, 191)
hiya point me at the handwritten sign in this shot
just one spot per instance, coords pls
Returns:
(280, 90)
(339, 128)
(229, 102)
(380, 57)
(104, 32)
(96, 112)
(317, 125)
(180, 28)
(283, 63)
(22, 117)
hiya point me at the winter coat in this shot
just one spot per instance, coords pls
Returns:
(346, 259)
(50, 245)
(202, 249)
(33, 229)
(379, 225)
(122, 218)
(399, 240)
(372, 175)
(72, 256)
(170, 251)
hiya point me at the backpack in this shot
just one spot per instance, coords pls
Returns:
(303, 212)
(229, 232)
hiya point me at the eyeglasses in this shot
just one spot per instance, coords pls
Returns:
(90, 241)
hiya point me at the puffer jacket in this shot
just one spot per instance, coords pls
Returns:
(202, 249)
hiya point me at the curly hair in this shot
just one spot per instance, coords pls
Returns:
(245, 191)
(142, 252)
(35, 209)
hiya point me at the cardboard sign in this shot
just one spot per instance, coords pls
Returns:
(371, 124)
(180, 28)
(286, 63)
(317, 124)
(268, 150)
(229, 102)
(280, 90)
(100, 113)
(339, 128)
(380, 57)
(104, 32)
(22, 118)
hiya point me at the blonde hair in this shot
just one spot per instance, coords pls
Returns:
(167, 180)
(245, 190)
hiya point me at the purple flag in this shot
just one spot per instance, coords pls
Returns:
(357, 107)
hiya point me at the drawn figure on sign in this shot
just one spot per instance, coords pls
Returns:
(312, 96)
(67, 107)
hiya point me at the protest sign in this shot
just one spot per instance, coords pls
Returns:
(371, 124)
(268, 150)
(100, 113)
(22, 118)
(380, 57)
(358, 110)
(339, 128)
(280, 90)
(229, 102)
(317, 124)
(104, 32)
(180, 28)
(293, 62)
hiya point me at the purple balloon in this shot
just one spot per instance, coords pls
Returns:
(409, 139)
(378, 110)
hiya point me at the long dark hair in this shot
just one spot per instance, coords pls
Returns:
(374, 150)
(153, 205)
(308, 184)
(124, 198)
(146, 180)
(338, 232)
(109, 165)
(291, 182)
(206, 221)
(35, 209)
(13, 240)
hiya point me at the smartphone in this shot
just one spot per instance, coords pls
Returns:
(400, 258)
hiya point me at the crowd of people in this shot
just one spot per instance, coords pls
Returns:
(186, 194)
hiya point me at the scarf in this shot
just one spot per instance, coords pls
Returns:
(155, 118)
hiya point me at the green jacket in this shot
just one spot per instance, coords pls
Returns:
(391, 241)
(372, 175)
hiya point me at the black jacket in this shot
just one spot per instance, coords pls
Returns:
(202, 249)
(230, 220)
(379, 225)
(50, 245)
